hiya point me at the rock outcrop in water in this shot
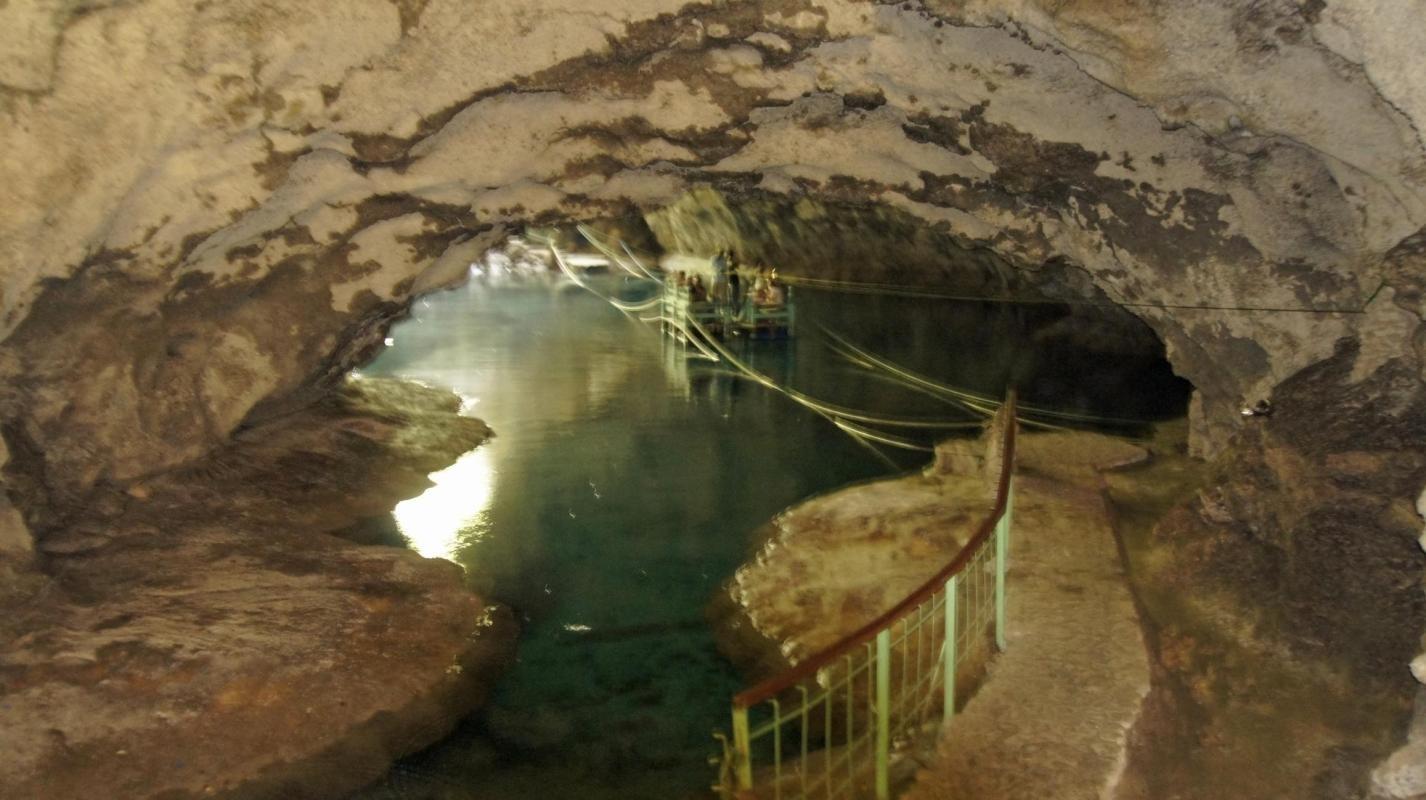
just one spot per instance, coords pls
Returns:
(215, 209)
(205, 634)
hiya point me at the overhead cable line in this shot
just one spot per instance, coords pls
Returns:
(974, 401)
(904, 290)
(638, 269)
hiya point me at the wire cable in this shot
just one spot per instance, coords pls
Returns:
(637, 270)
(980, 402)
(903, 290)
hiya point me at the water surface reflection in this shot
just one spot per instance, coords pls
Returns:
(453, 510)
(622, 487)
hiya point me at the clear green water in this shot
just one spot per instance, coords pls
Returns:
(624, 486)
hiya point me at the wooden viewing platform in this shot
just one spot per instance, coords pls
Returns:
(721, 317)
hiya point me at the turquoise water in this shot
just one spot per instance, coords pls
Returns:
(624, 485)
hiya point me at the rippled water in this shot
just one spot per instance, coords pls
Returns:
(625, 481)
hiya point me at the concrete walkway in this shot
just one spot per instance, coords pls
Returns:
(1052, 718)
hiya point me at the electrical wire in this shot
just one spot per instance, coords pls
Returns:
(638, 270)
(903, 290)
(622, 305)
(979, 402)
(838, 416)
(850, 421)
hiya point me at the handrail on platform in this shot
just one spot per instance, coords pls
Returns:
(844, 750)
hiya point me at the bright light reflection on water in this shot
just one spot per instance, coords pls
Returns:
(453, 512)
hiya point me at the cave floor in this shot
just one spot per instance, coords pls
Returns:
(1052, 716)
(1130, 674)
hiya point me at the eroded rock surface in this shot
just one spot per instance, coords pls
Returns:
(202, 636)
(16, 544)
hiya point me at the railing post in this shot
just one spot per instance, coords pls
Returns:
(1002, 554)
(883, 714)
(952, 635)
(742, 750)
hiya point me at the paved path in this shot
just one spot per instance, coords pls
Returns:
(1052, 718)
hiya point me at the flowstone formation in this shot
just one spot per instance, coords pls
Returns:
(216, 208)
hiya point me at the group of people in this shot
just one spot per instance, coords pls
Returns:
(730, 284)
(698, 291)
(766, 289)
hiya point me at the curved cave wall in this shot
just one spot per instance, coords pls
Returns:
(845, 241)
(861, 246)
(215, 209)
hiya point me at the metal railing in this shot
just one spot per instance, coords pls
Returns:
(830, 726)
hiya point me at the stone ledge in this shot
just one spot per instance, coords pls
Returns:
(198, 635)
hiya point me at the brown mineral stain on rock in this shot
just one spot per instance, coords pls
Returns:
(1232, 711)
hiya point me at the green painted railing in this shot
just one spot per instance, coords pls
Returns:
(830, 726)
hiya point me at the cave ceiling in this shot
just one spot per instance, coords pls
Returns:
(215, 208)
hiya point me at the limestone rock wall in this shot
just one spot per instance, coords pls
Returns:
(16, 545)
(839, 241)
